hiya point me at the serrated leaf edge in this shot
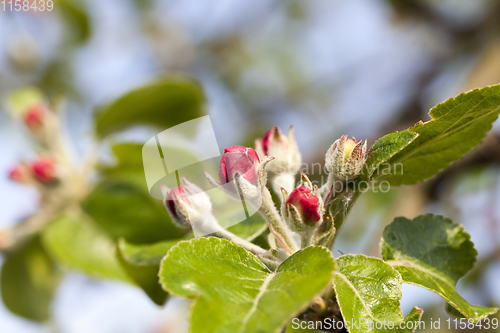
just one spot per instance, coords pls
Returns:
(494, 310)
(467, 239)
(419, 124)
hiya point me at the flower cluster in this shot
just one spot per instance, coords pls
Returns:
(243, 174)
(42, 170)
(51, 172)
(61, 180)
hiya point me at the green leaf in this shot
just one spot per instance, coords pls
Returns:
(146, 255)
(454, 312)
(129, 168)
(164, 103)
(142, 264)
(125, 211)
(384, 148)
(457, 125)
(250, 228)
(28, 281)
(129, 160)
(339, 210)
(433, 252)
(77, 242)
(235, 292)
(368, 291)
(146, 277)
(75, 15)
(17, 101)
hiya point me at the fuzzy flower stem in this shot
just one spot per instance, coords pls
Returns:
(243, 243)
(342, 211)
(306, 238)
(276, 223)
(208, 224)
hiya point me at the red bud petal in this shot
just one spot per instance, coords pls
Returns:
(44, 169)
(273, 135)
(306, 203)
(239, 159)
(19, 173)
(175, 194)
(34, 117)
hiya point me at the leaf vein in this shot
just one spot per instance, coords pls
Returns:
(262, 290)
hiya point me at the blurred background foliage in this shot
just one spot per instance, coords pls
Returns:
(328, 67)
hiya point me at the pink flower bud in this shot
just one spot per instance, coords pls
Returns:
(20, 173)
(306, 203)
(242, 160)
(34, 117)
(44, 169)
(175, 195)
(346, 157)
(187, 203)
(273, 136)
(284, 149)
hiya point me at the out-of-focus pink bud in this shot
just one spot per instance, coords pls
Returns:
(20, 173)
(239, 160)
(346, 157)
(284, 149)
(306, 203)
(44, 169)
(187, 203)
(273, 137)
(34, 116)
